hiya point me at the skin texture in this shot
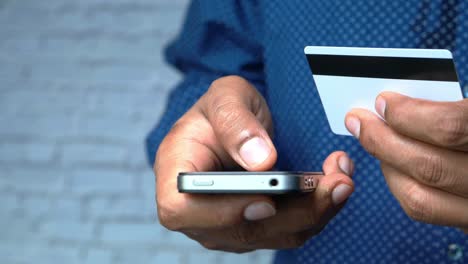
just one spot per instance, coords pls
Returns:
(423, 149)
(210, 137)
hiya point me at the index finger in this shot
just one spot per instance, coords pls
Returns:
(442, 124)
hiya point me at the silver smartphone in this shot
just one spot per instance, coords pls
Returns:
(265, 182)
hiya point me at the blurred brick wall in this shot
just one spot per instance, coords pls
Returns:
(81, 83)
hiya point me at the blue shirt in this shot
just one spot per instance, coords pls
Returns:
(263, 41)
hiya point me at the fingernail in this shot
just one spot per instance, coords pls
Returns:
(353, 125)
(380, 105)
(341, 193)
(259, 211)
(255, 151)
(345, 164)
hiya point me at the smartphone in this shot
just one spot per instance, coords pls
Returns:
(265, 182)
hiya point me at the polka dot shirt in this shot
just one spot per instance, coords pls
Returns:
(263, 41)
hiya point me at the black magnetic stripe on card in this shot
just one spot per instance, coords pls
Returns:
(430, 69)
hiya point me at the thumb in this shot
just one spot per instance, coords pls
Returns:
(338, 168)
(240, 118)
(338, 162)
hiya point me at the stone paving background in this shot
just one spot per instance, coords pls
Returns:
(81, 83)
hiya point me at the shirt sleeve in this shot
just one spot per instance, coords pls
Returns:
(218, 38)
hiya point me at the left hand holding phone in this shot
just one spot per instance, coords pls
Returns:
(230, 128)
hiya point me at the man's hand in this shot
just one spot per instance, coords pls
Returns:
(423, 149)
(229, 128)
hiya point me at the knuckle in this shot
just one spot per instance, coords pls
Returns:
(177, 128)
(227, 115)
(211, 245)
(430, 169)
(452, 128)
(172, 138)
(296, 240)
(166, 143)
(168, 217)
(249, 234)
(416, 204)
(183, 126)
(227, 217)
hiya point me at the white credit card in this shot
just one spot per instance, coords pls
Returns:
(348, 78)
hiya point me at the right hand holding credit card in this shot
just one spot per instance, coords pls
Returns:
(348, 77)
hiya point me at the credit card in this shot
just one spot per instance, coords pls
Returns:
(348, 78)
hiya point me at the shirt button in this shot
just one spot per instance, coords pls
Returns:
(455, 252)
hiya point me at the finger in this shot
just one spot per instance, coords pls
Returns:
(311, 210)
(338, 162)
(240, 119)
(424, 203)
(177, 211)
(289, 241)
(439, 123)
(212, 240)
(296, 215)
(428, 164)
(217, 240)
